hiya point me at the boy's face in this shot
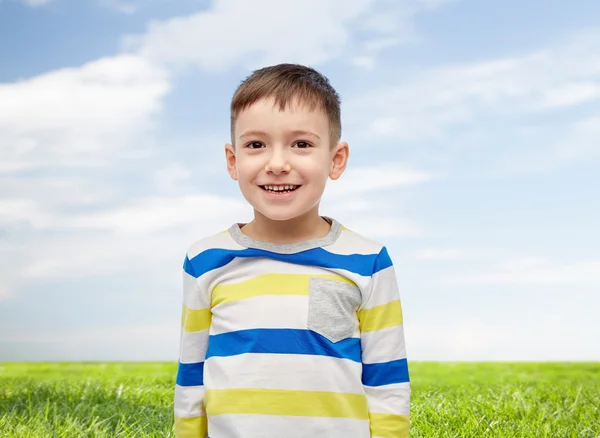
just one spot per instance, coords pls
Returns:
(277, 149)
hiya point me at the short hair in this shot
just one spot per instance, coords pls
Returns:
(285, 83)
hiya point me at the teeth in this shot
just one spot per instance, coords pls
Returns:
(280, 188)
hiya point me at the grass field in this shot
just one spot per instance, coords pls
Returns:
(449, 400)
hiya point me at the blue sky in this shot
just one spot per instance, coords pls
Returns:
(474, 130)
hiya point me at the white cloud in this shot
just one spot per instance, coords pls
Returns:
(143, 215)
(535, 271)
(102, 334)
(547, 146)
(68, 129)
(19, 194)
(455, 254)
(172, 176)
(141, 234)
(35, 3)
(358, 180)
(377, 44)
(588, 126)
(97, 343)
(361, 199)
(79, 116)
(4, 291)
(122, 7)
(366, 62)
(440, 254)
(582, 138)
(522, 340)
(570, 94)
(427, 105)
(237, 32)
(149, 215)
(383, 226)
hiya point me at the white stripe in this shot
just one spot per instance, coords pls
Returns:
(383, 289)
(281, 371)
(353, 243)
(189, 401)
(193, 346)
(218, 241)
(264, 311)
(389, 399)
(383, 345)
(242, 426)
(361, 281)
(192, 295)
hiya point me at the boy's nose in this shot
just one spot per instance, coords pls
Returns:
(277, 164)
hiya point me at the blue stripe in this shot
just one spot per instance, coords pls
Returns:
(190, 374)
(208, 260)
(215, 258)
(281, 341)
(187, 267)
(385, 373)
(382, 261)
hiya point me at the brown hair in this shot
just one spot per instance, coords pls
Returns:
(284, 83)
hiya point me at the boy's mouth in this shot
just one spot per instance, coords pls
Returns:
(283, 188)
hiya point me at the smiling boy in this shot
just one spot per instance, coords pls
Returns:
(292, 324)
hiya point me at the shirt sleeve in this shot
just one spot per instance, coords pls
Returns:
(385, 369)
(190, 416)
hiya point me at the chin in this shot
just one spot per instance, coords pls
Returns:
(281, 213)
(279, 216)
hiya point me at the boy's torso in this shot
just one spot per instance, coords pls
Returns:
(284, 351)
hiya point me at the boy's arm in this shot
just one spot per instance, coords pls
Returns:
(190, 417)
(385, 369)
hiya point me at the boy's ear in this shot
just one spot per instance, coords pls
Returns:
(339, 160)
(231, 161)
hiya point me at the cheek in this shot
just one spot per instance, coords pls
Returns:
(316, 166)
(246, 171)
(316, 172)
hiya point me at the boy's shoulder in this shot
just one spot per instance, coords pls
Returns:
(352, 242)
(216, 241)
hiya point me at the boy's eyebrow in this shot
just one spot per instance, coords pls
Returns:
(303, 132)
(254, 132)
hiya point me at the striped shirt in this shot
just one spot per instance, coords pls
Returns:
(291, 340)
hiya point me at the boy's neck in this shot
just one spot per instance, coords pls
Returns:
(299, 229)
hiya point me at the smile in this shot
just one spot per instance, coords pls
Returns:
(287, 188)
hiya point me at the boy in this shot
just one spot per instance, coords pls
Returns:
(292, 324)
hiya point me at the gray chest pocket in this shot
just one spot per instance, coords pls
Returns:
(332, 307)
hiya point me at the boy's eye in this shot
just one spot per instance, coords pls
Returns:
(301, 144)
(255, 145)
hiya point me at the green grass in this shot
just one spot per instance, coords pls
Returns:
(449, 400)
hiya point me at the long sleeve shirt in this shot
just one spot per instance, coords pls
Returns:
(291, 340)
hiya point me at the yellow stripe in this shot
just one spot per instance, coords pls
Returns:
(268, 284)
(195, 427)
(389, 426)
(284, 402)
(195, 320)
(380, 317)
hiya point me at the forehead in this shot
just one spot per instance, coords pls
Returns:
(267, 115)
